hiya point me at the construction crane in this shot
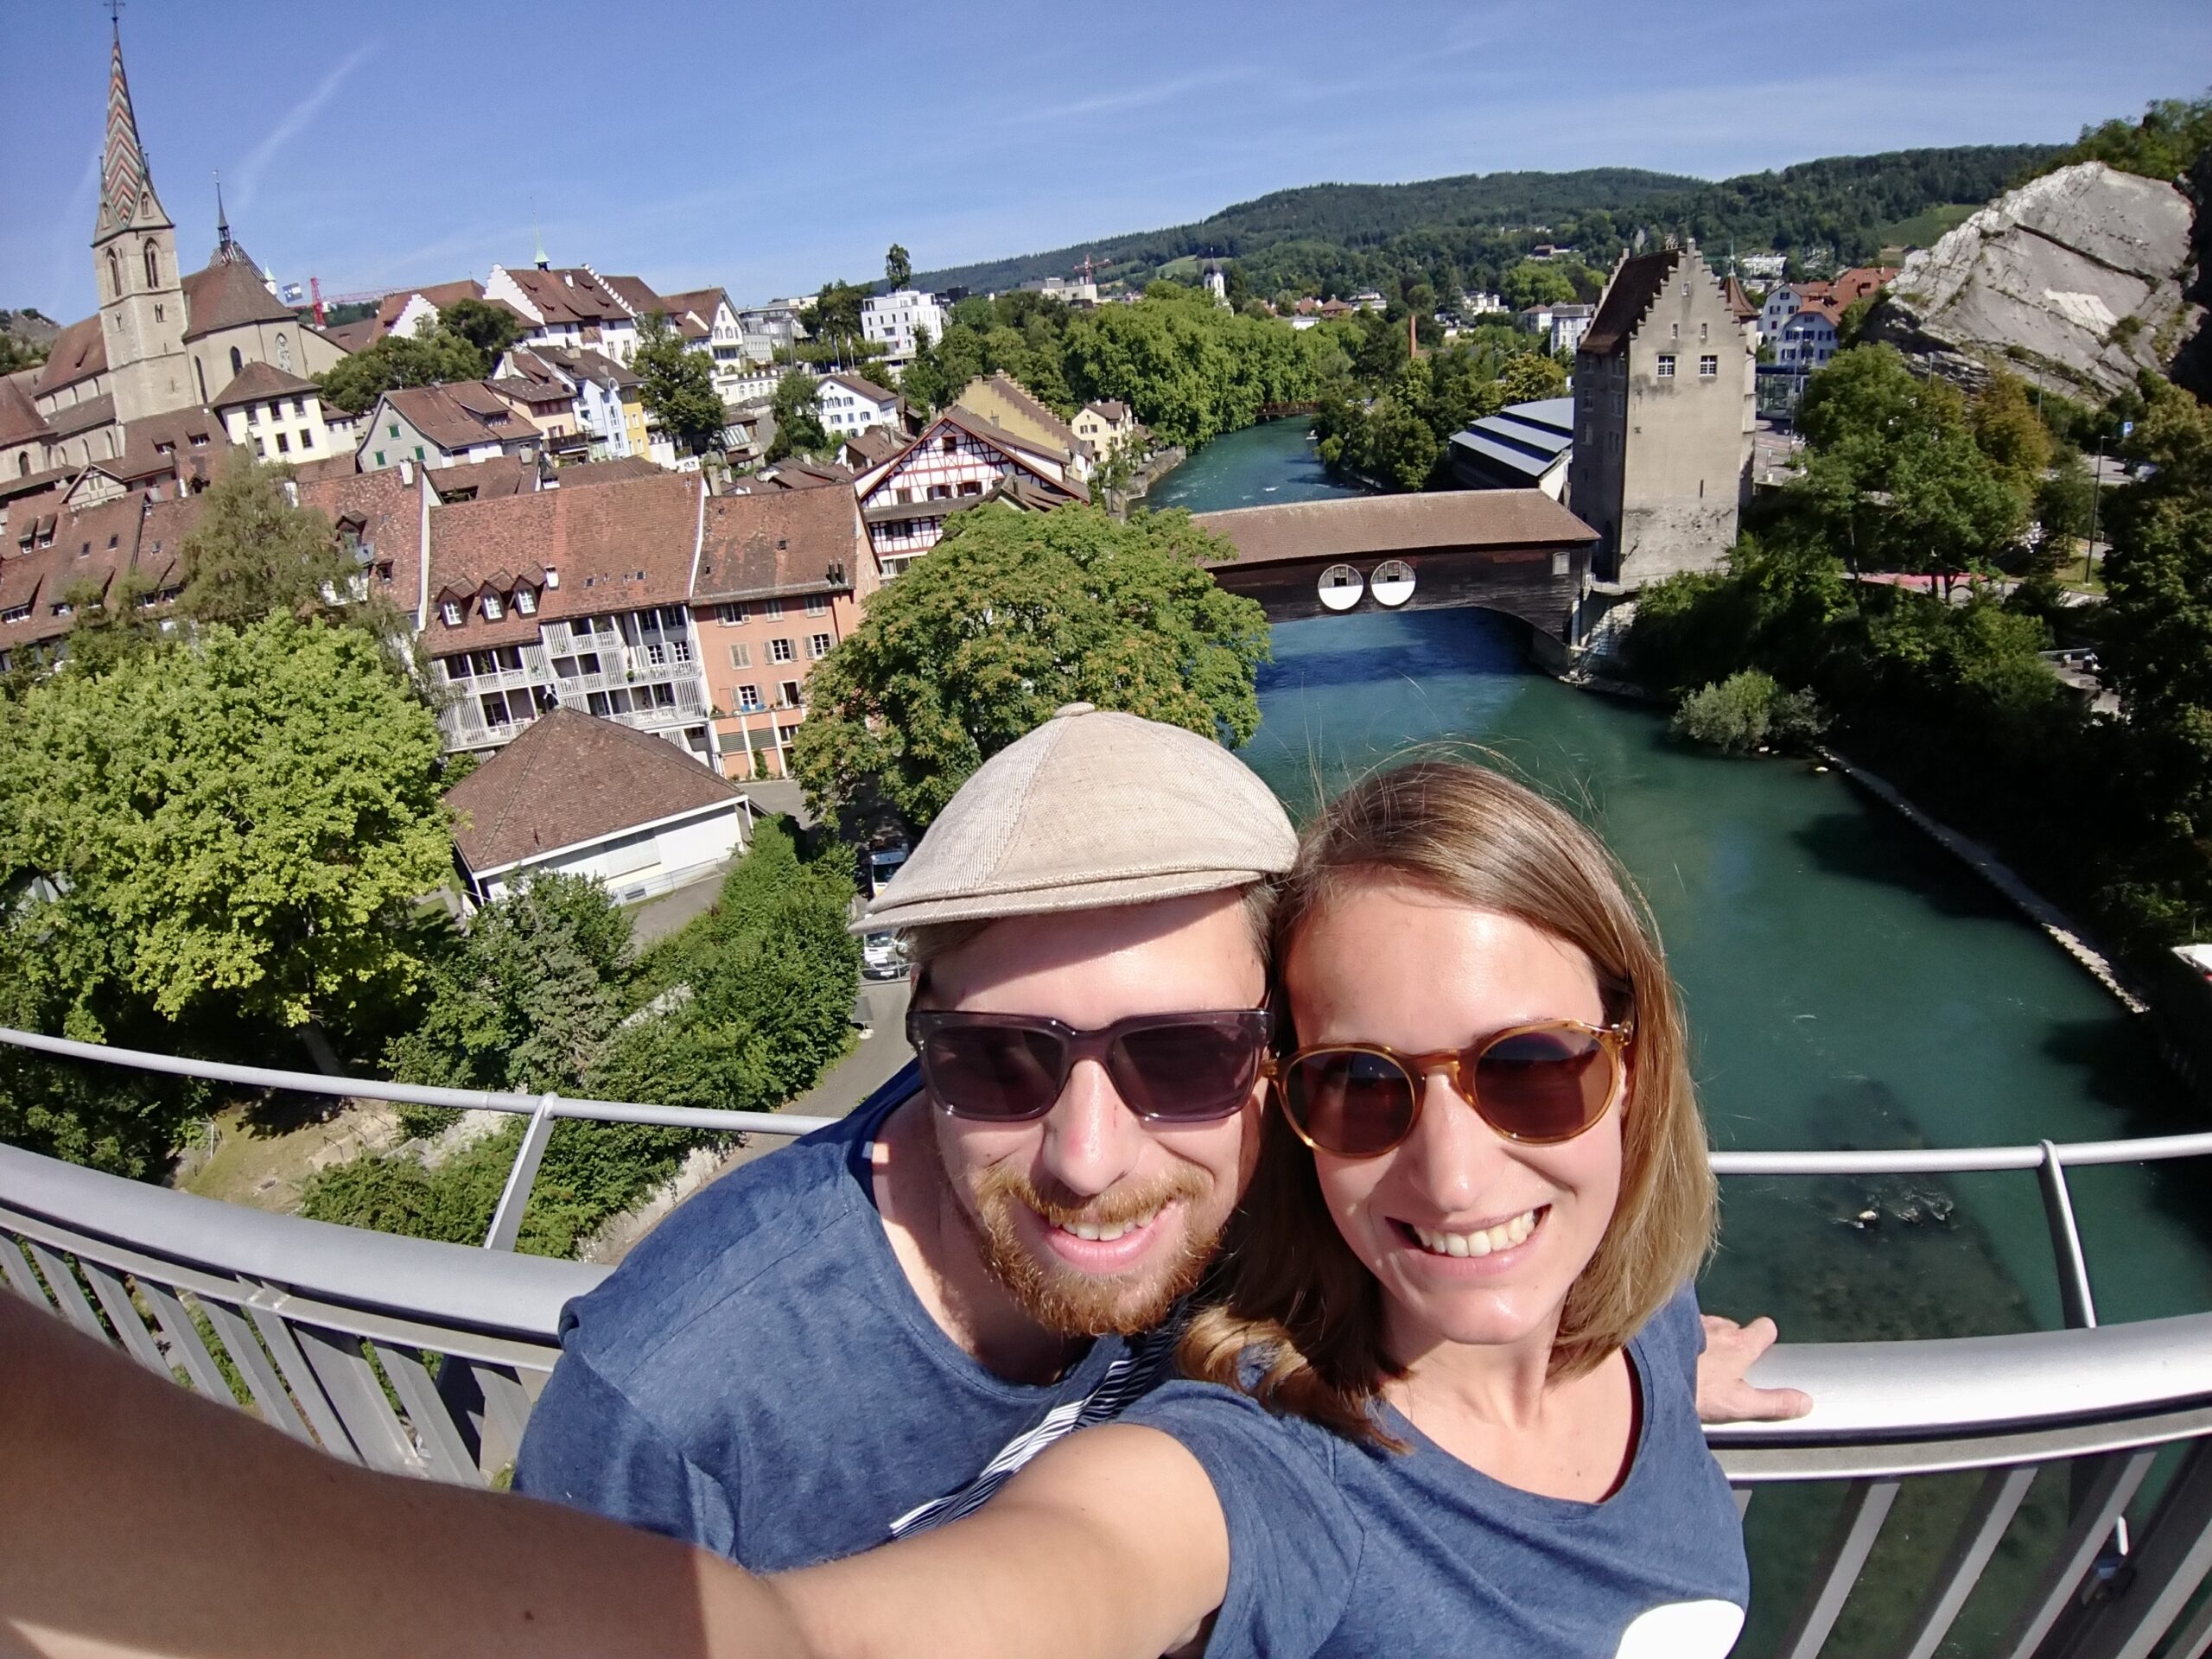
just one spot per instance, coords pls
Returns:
(366, 297)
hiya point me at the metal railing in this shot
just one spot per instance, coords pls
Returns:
(423, 1358)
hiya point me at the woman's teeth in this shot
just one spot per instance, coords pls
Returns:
(1502, 1236)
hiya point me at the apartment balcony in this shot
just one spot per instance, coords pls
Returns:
(423, 1359)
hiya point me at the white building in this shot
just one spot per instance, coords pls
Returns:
(278, 416)
(851, 404)
(1807, 342)
(1567, 326)
(763, 330)
(892, 318)
(576, 795)
(444, 426)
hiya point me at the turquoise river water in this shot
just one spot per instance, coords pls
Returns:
(1849, 984)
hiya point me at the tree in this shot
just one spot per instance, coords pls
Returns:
(228, 837)
(397, 361)
(489, 328)
(252, 552)
(679, 386)
(1529, 376)
(897, 269)
(834, 319)
(1531, 283)
(2063, 505)
(1010, 616)
(524, 999)
(2010, 433)
(796, 407)
(106, 627)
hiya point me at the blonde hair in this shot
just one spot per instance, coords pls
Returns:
(1291, 1294)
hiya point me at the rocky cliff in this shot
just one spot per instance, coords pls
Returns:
(2076, 280)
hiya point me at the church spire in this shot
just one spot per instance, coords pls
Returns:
(127, 198)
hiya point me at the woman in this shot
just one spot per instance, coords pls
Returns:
(1444, 1404)
(1447, 1403)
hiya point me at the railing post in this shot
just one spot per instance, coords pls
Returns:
(507, 1220)
(2074, 1299)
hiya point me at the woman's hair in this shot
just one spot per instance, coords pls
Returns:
(1299, 1319)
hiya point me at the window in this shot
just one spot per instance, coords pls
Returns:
(114, 274)
(419, 452)
(1701, 331)
(237, 362)
(451, 612)
(817, 606)
(748, 700)
(773, 610)
(656, 653)
(779, 650)
(153, 264)
(733, 614)
(380, 457)
(1673, 331)
(525, 602)
(300, 407)
(1665, 366)
(951, 444)
(817, 646)
(787, 735)
(679, 651)
(284, 444)
(973, 487)
(741, 656)
(790, 695)
(492, 612)
(1707, 367)
(392, 430)
(261, 447)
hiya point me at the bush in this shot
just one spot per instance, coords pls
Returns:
(1746, 711)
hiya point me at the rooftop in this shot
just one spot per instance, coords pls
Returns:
(1359, 526)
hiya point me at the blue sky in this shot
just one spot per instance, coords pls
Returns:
(770, 148)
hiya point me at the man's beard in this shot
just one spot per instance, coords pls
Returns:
(1069, 1303)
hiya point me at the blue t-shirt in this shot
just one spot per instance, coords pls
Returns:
(760, 1378)
(1342, 1549)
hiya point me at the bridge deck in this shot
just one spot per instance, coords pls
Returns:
(1517, 552)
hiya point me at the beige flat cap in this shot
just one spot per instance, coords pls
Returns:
(1092, 810)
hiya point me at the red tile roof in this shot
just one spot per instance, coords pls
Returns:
(1637, 283)
(257, 381)
(460, 414)
(439, 295)
(784, 541)
(78, 351)
(571, 778)
(638, 297)
(617, 547)
(228, 295)
(20, 421)
(584, 474)
(481, 480)
(571, 297)
(389, 513)
(1393, 523)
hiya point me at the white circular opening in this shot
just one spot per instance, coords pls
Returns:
(1340, 586)
(1392, 584)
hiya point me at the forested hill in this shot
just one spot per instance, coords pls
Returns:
(1342, 230)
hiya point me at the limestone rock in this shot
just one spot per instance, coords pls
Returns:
(2076, 280)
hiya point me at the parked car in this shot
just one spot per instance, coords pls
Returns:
(882, 956)
(882, 864)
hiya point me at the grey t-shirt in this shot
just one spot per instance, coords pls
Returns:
(1345, 1550)
(760, 1378)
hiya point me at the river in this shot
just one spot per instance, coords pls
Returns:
(1849, 985)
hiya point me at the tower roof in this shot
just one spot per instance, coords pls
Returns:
(127, 198)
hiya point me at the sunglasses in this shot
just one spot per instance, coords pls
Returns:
(1538, 1085)
(1168, 1068)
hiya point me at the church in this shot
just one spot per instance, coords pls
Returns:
(130, 393)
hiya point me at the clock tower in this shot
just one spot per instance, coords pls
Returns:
(134, 262)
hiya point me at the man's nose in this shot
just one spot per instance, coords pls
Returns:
(1092, 1139)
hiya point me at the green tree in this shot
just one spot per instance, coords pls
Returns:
(227, 837)
(106, 627)
(397, 361)
(1533, 282)
(2063, 504)
(2171, 134)
(834, 320)
(252, 552)
(1748, 711)
(489, 328)
(678, 387)
(897, 269)
(1529, 376)
(796, 407)
(1012, 615)
(523, 1000)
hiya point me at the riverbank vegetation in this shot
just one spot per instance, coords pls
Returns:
(742, 1010)
(1080, 606)
(1190, 369)
(1941, 685)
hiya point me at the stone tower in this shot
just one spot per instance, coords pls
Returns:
(134, 262)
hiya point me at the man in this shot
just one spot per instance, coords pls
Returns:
(867, 1332)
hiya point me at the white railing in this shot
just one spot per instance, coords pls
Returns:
(423, 1358)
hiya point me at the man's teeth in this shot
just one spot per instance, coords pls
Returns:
(1502, 1236)
(1108, 1233)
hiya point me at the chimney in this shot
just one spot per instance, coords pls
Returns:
(552, 577)
(407, 474)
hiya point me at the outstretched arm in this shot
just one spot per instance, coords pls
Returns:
(142, 1521)
(1724, 1395)
(1110, 1546)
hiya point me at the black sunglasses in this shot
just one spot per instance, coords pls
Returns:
(1168, 1068)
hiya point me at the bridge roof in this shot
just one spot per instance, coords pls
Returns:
(1359, 526)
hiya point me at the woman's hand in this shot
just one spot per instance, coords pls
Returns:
(1724, 1395)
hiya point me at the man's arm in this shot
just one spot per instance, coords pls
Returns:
(1111, 1545)
(1724, 1393)
(142, 1521)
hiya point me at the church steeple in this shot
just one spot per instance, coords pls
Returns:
(127, 198)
